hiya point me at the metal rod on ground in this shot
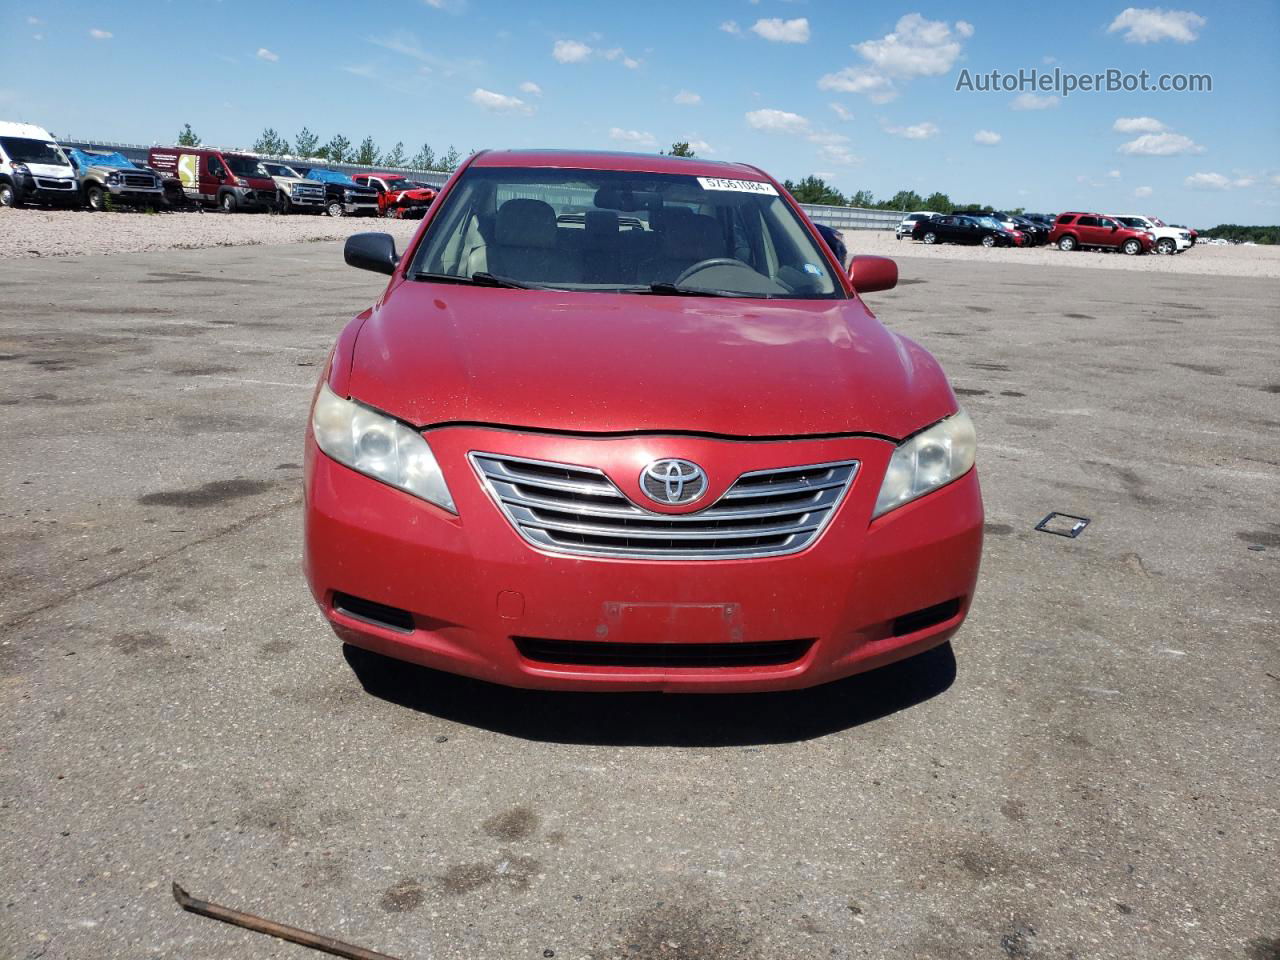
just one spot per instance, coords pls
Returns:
(293, 934)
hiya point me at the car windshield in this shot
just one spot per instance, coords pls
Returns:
(1158, 222)
(400, 183)
(280, 170)
(245, 167)
(1133, 222)
(26, 150)
(989, 223)
(610, 231)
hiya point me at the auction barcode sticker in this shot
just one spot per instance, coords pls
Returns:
(741, 186)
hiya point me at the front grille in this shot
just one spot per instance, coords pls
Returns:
(595, 654)
(308, 193)
(46, 184)
(579, 510)
(135, 180)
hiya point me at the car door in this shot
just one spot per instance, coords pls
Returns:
(1107, 229)
(1087, 230)
(966, 230)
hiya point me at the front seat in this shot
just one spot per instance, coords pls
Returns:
(684, 239)
(524, 244)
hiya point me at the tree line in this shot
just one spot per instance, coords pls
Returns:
(1239, 233)
(813, 189)
(339, 149)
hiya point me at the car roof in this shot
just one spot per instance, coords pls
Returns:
(611, 160)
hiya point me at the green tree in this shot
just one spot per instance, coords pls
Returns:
(681, 148)
(938, 203)
(814, 189)
(903, 200)
(450, 160)
(863, 198)
(306, 143)
(367, 154)
(271, 144)
(424, 159)
(396, 157)
(338, 149)
(187, 137)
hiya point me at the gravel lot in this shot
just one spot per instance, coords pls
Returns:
(1092, 775)
(56, 233)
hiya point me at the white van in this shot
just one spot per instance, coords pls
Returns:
(33, 169)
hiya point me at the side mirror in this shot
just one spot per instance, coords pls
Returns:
(1115, 227)
(868, 274)
(371, 251)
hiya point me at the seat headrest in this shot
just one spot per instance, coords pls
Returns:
(601, 223)
(694, 236)
(525, 223)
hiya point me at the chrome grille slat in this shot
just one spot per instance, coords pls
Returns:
(578, 510)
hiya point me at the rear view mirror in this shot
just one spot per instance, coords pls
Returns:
(371, 251)
(868, 274)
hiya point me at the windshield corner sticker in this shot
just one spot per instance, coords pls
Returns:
(740, 186)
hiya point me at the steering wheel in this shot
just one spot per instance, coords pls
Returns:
(707, 265)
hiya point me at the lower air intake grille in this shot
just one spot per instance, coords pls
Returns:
(927, 617)
(576, 653)
(579, 510)
(379, 614)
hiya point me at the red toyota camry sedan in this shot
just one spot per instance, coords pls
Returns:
(622, 422)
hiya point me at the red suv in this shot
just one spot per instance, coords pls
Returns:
(623, 422)
(1074, 231)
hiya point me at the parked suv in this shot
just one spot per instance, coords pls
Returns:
(113, 175)
(33, 168)
(1073, 231)
(215, 178)
(342, 195)
(398, 197)
(1168, 239)
(294, 191)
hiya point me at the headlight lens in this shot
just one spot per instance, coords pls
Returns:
(929, 460)
(378, 446)
(113, 178)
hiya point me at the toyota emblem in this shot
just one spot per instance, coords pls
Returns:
(673, 482)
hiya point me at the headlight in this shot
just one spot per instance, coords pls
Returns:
(378, 446)
(113, 178)
(929, 460)
(21, 168)
(347, 194)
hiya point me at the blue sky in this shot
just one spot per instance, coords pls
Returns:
(864, 95)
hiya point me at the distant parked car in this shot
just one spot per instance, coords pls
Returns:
(911, 219)
(295, 192)
(835, 240)
(1168, 239)
(215, 178)
(343, 196)
(1195, 237)
(963, 229)
(1075, 231)
(108, 177)
(1036, 233)
(398, 197)
(33, 168)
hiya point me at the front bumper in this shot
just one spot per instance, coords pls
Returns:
(47, 189)
(480, 597)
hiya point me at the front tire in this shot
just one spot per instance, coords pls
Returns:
(227, 203)
(95, 198)
(9, 196)
(390, 213)
(1067, 244)
(1166, 247)
(335, 209)
(988, 241)
(284, 205)
(930, 238)
(1131, 248)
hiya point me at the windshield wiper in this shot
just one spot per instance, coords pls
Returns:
(662, 289)
(480, 279)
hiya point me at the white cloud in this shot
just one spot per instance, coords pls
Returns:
(1215, 181)
(687, 98)
(101, 34)
(841, 111)
(531, 88)
(362, 70)
(1141, 192)
(617, 53)
(783, 31)
(1113, 174)
(1033, 101)
(269, 56)
(987, 138)
(1152, 24)
(777, 121)
(1137, 125)
(701, 146)
(35, 21)
(731, 27)
(917, 47)
(635, 138)
(838, 154)
(917, 131)
(570, 51)
(964, 28)
(498, 102)
(859, 80)
(1161, 145)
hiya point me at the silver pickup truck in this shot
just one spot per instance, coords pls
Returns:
(295, 192)
(106, 178)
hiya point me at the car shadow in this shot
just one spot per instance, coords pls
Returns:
(657, 719)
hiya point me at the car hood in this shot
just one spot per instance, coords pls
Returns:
(303, 181)
(433, 353)
(50, 170)
(106, 170)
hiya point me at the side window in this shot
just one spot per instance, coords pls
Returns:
(216, 168)
(1066, 218)
(1104, 222)
(1087, 222)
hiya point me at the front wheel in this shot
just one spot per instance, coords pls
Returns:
(95, 198)
(8, 196)
(285, 205)
(335, 209)
(988, 241)
(1067, 243)
(1166, 247)
(1132, 248)
(227, 202)
(390, 213)
(930, 237)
